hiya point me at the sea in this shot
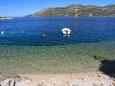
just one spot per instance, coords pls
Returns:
(35, 45)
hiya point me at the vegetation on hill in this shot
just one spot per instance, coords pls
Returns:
(77, 10)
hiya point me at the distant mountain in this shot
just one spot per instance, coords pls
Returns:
(77, 10)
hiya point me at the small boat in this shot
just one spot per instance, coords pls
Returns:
(66, 31)
(2, 32)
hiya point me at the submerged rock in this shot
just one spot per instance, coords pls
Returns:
(96, 57)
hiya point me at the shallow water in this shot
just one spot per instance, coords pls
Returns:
(24, 49)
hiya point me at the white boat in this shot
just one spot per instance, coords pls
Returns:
(2, 32)
(66, 31)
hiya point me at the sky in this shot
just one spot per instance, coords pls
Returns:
(16, 8)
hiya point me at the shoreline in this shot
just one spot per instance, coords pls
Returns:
(89, 78)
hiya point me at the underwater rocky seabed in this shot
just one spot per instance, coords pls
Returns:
(70, 58)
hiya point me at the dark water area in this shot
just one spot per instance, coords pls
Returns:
(47, 30)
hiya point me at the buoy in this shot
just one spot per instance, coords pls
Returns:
(44, 35)
(66, 31)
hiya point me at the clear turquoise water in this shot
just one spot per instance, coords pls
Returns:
(24, 49)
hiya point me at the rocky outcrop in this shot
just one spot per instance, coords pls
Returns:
(14, 81)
